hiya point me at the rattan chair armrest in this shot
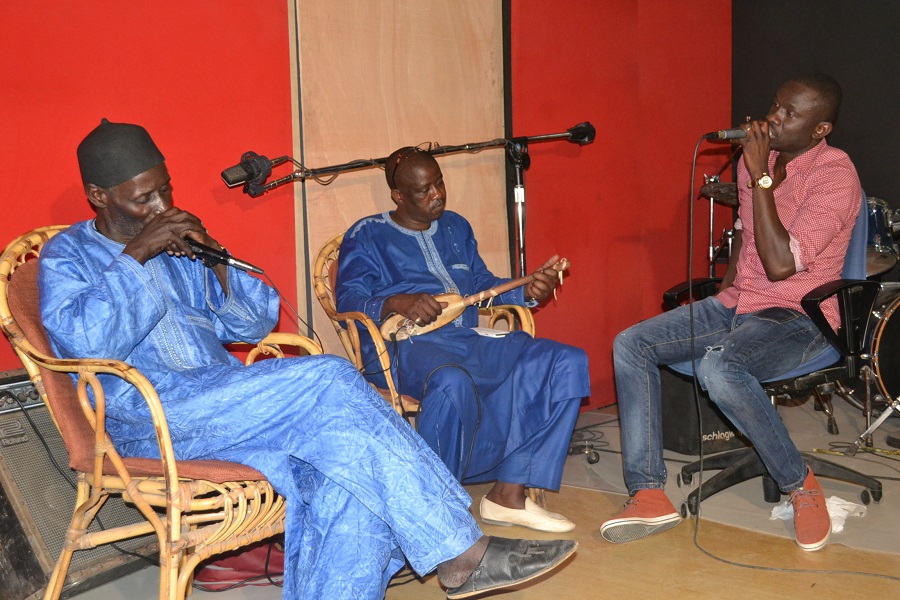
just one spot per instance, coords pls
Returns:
(363, 318)
(87, 369)
(272, 343)
(372, 329)
(293, 339)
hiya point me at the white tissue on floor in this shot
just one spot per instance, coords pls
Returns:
(838, 510)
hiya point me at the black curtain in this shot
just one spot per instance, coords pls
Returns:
(858, 43)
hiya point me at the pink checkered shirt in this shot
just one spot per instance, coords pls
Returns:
(818, 203)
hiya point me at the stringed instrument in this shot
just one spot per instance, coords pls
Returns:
(399, 328)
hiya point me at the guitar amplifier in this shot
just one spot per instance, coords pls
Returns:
(37, 496)
(681, 425)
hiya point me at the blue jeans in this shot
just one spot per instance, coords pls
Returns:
(738, 351)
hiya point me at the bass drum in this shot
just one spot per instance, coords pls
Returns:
(884, 347)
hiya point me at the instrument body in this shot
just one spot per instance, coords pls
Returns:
(397, 327)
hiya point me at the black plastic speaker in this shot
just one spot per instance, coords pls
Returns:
(682, 426)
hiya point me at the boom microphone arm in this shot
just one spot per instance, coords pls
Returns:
(254, 169)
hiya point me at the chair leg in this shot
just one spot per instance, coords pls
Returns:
(537, 496)
(823, 403)
(86, 508)
(771, 491)
(168, 575)
(746, 466)
(830, 470)
(720, 460)
(743, 464)
(58, 576)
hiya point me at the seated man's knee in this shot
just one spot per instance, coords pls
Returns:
(717, 372)
(450, 379)
(623, 344)
(571, 356)
(629, 343)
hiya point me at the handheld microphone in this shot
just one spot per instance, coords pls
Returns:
(726, 134)
(211, 256)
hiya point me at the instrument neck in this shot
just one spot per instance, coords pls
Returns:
(505, 287)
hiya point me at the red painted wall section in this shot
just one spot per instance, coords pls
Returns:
(652, 76)
(209, 79)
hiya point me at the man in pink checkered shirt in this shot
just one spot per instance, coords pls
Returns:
(799, 199)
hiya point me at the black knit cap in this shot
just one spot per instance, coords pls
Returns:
(113, 153)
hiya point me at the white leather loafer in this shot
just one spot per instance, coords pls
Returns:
(532, 516)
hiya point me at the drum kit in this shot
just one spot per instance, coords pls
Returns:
(883, 330)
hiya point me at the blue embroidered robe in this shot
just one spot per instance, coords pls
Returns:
(492, 408)
(362, 489)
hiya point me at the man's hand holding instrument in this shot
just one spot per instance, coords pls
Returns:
(415, 314)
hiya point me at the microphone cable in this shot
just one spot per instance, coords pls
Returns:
(695, 385)
(296, 314)
(477, 419)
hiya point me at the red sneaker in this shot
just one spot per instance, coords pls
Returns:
(647, 512)
(812, 525)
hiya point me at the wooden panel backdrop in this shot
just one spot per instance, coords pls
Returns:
(375, 76)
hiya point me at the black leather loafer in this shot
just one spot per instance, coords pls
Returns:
(509, 562)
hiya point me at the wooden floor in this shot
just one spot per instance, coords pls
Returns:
(669, 566)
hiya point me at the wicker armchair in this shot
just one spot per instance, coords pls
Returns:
(195, 508)
(347, 325)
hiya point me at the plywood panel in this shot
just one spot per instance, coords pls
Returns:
(378, 75)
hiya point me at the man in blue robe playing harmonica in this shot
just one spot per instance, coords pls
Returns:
(364, 493)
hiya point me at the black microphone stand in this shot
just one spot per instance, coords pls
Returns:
(516, 150)
(517, 153)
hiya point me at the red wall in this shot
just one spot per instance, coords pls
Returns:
(652, 76)
(210, 79)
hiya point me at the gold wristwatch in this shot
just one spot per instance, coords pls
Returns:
(764, 181)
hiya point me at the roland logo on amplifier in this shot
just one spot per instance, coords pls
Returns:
(13, 433)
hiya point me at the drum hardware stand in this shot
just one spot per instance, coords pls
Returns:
(865, 438)
(823, 392)
(722, 251)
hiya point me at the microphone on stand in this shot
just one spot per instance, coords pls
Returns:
(253, 168)
(211, 256)
(726, 134)
(582, 134)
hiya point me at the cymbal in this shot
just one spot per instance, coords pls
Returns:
(721, 192)
(879, 262)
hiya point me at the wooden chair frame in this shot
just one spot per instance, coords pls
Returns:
(196, 508)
